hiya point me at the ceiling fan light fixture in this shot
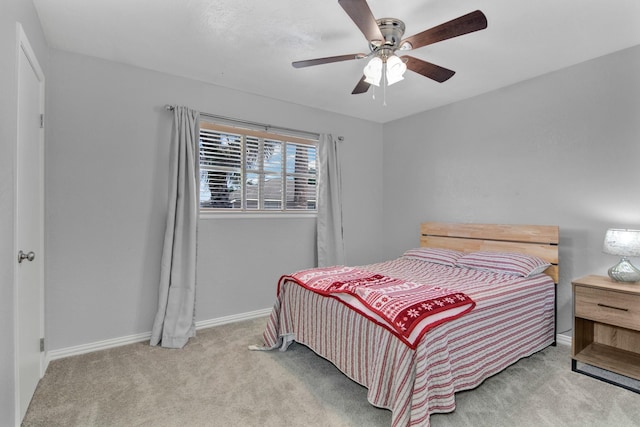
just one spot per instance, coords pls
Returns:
(395, 69)
(373, 71)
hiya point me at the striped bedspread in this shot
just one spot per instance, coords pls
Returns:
(513, 318)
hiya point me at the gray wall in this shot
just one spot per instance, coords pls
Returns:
(12, 11)
(106, 170)
(561, 149)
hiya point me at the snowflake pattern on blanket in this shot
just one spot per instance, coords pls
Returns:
(402, 304)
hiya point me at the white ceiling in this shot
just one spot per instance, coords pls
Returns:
(249, 44)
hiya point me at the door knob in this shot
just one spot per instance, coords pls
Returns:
(28, 256)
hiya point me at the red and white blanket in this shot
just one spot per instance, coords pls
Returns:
(408, 309)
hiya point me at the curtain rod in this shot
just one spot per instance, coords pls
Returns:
(266, 127)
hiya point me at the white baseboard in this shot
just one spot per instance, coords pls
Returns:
(131, 339)
(233, 318)
(564, 339)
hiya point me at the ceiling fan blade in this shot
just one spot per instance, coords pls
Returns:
(361, 87)
(427, 69)
(327, 60)
(360, 14)
(465, 24)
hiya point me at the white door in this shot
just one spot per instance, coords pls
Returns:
(29, 226)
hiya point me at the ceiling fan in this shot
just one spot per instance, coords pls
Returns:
(385, 38)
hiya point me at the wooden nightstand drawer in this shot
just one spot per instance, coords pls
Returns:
(607, 306)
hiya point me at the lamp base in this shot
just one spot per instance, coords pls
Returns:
(624, 271)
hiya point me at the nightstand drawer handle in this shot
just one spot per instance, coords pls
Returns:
(615, 308)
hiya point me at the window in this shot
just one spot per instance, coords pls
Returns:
(244, 170)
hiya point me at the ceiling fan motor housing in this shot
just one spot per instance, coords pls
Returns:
(392, 30)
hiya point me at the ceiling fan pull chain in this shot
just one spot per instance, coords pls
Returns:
(384, 84)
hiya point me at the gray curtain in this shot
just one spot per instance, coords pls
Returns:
(329, 229)
(175, 320)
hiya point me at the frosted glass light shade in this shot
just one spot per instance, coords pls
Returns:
(395, 70)
(373, 71)
(624, 243)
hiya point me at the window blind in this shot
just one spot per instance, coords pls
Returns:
(245, 170)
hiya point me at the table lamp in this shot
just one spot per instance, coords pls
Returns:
(625, 243)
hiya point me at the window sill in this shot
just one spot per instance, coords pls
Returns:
(255, 215)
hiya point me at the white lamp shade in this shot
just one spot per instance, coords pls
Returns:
(622, 242)
(395, 70)
(373, 71)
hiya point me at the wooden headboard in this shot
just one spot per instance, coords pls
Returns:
(538, 240)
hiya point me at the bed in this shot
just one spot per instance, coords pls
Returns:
(511, 317)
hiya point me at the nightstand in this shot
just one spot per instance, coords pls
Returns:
(606, 326)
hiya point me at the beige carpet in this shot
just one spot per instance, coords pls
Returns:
(216, 381)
